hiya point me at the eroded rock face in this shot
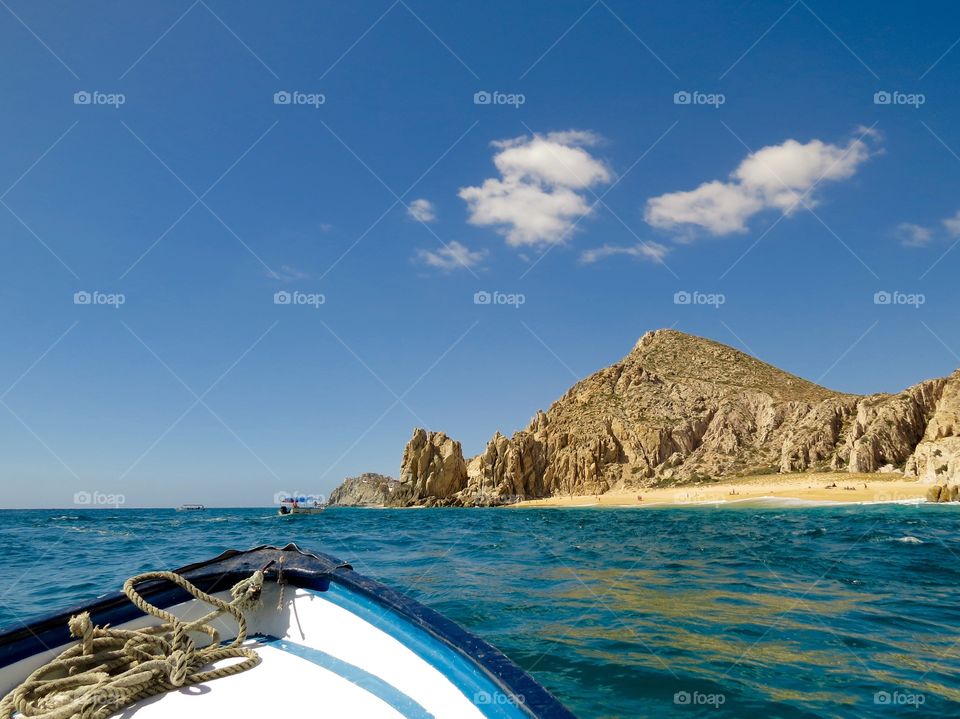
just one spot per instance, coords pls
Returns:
(432, 466)
(937, 456)
(367, 490)
(943, 493)
(680, 408)
(887, 428)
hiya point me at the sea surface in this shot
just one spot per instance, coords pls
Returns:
(714, 611)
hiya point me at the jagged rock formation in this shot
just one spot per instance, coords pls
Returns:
(367, 490)
(680, 408)
(432, 469)
(937, 457)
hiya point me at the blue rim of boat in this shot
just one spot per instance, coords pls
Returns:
(307, 570)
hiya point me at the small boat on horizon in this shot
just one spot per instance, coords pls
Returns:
(312, 636)
(191, 508)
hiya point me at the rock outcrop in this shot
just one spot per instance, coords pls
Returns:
(432, 469)
(367, 490)
(680, 408)
(937, 457)
(943, 493)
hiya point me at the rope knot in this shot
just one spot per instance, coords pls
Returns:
(246, 593)
(81, 627)
(181, 638)
(179, 666)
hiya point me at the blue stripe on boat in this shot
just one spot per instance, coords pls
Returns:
(371, 683)
(462, 673)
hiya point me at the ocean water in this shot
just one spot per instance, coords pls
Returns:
(735, 611)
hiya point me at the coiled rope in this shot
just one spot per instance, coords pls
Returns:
(109, 669)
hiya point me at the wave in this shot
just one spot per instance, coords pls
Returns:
(911, 501)
(783, 502)
(766, 501)
(101, 531)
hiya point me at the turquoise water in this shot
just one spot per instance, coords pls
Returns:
(697, 611)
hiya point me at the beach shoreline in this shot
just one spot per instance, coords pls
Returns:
(804, 489)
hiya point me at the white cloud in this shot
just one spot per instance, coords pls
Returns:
(952, 225)
(453, 256)
(718, 207)
(653, 251)
(422, 211)
(784, 173)
(288, 273)
(912, 235)
(528, 213)
(780, 177)
(537, 198)
(555, 159)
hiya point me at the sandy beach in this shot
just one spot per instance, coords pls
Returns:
(806, 487)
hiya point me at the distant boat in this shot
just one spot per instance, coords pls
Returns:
(191, 508)
(315, 637)
(292, 506)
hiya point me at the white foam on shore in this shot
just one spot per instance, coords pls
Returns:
(913, 500)
(762, 501)
(777, 502)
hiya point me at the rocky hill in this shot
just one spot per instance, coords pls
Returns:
(367, 490)
(679, 409)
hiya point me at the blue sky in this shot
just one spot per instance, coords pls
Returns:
(786, 187)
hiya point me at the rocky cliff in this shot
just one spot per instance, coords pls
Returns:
(432, 469)
(367, 490)
(937, 457)
(680, 408)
